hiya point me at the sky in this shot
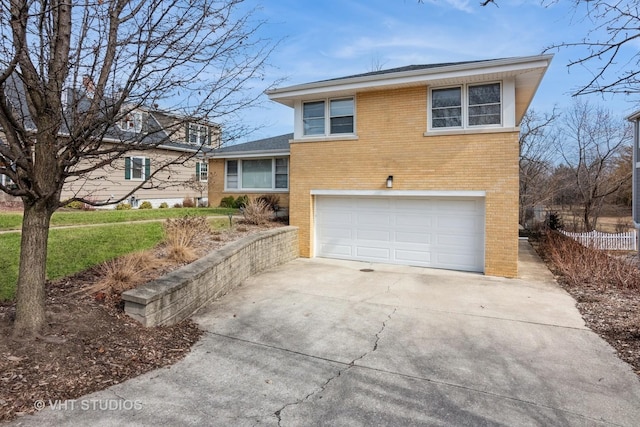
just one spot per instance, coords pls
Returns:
(324, 39)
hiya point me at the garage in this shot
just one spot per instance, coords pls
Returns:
(437, 232)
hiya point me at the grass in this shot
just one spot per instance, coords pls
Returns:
(74, 250)
(13, 221)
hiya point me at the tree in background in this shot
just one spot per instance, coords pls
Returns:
(195, 57)
(537, 148)
(591, 145)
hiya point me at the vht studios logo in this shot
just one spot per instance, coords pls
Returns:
(89, 405)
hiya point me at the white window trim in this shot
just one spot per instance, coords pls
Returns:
(206, 171)
(142, 173)
(201, 131)
(137, 122)
(465, 109)
(273, 188)
(299, 120)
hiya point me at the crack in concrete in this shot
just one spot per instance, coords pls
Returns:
(340, 371)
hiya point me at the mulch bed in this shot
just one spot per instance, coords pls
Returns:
(612, 313)
(89, 344)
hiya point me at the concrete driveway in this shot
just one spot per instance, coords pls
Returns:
(320, 342)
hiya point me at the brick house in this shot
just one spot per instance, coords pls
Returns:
(415, 165)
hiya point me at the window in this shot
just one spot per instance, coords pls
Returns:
(466, 106)
(313, 118)
(137, 168)
(484, 105)
(131, 122)
(257, 174)
(6, 181)
(232, 174)
(197, 134)
(202, 171)
(339, 111)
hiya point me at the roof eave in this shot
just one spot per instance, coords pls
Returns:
(288, 95)
(252, 153)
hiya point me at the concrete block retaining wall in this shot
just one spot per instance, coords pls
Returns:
(177, 295)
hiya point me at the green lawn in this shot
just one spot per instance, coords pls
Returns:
(13, 221)
(75, 249)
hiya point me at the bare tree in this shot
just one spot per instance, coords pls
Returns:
(197, 57)
(591, 145)
(612, 58)
(537, 147)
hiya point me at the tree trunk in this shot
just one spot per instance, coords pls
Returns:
(30, 305)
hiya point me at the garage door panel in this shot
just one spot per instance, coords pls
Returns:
(370, 252)
(428, 232)
(421, 220)
(339, 233)
(379, 235)
(407, 237)
(413, 257)
(372, 203)
(377, 219)
(335, 250)
(338, 217)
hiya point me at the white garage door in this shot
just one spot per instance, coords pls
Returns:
(442, 232)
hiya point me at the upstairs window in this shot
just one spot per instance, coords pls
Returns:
(132, 122)
(340, 114)
(198, 134)
(466, 106)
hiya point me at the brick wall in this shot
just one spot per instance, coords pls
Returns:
(390, 127)
(176, 296)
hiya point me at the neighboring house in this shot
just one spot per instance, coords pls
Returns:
(635, 120)
(179, 138)
(175, 139)
(416, 165)
(254, 168)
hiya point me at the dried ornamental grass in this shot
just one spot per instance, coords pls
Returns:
(183, 235)
(124, 273)
(257, 212)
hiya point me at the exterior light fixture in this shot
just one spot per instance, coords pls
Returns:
(390, 181)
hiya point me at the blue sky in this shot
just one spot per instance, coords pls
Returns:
(333, 38)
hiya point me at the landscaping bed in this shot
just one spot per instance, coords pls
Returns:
(90, 344)
(606, 289)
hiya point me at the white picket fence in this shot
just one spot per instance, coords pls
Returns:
(607, 241)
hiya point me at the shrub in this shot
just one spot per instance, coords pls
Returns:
(75, 205)
(182, 236)
(554, 221)
(241, 202)
(582, 266)
(257, 212)
(188, 202)
(177, 205)
(271, 200)
(145, 205)
(164, 205)
(123, 207)
(227, 202)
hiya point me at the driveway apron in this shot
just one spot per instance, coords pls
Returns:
(325, 342)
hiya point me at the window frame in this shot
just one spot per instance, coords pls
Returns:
(201, 133)
(133, 124)
(144, 171)
(328, 117)
(240, 187)
(465, 105)
(202, 167)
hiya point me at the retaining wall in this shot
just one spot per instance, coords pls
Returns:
(177, 295)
